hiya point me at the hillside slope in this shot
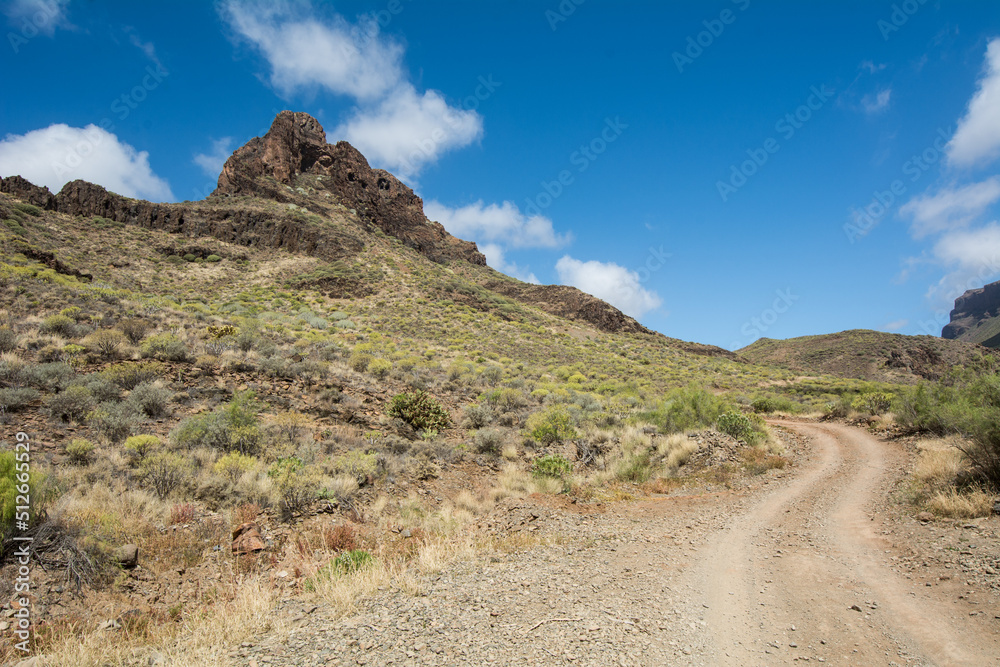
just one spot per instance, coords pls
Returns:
(866, 355)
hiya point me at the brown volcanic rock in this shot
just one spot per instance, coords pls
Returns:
(569, 302)
(296, 144)
(241, 226)
(975, 316)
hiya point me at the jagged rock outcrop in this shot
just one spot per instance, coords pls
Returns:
(241, 226)
(569, 302)
(976, 317)
(296, 144)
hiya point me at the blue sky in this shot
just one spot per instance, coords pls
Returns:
(722, 170)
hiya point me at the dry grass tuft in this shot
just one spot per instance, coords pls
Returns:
(965, 504)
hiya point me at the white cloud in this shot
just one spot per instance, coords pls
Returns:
(872, 67)
(977, 139)
(973, 257)
(394, 125)
(212, 162)
(496, 258)
(895, 325)
(950, 208)
(610, 282)
(878, 102)
(29, 17)
(497, 223)
(306, 52)
(407, 131)
(58, 154)
(148, 48)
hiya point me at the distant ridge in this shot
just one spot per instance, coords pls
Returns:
(867, 355)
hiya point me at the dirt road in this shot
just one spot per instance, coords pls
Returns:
(806, 566)
(801, 569)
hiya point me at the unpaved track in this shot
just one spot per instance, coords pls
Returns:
(804, 555)
(762, 578)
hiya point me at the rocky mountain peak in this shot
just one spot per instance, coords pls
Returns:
(270, 166)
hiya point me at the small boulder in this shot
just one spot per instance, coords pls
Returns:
(247, 539)
(126, 556)
(924, 517)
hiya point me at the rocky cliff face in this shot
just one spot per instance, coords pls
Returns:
(976, 317)
(296, 145)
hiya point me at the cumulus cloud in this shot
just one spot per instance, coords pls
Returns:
(30, 17)
(873, 104)
(973, 258)
(305, 51)
(496, 258)
(212, 162)
(950, 208)
(58, 154)
(407, 130)
(610, 282)
(395, 125)
(977, 139)
(497, 223)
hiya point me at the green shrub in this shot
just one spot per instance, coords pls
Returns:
(233, 465)
(164, 472)
(101, 388)
(79, 451)
(504, 399)
(13, 400)
(114, 421)
(489, 441)
(52, 376)
(873, 402)
(357, 463)
(969, 407)
(129, 375)
(554, 424)
(106, 341)
(380, 368)
(686, 408)
(19, 478)
(150, 398)
(345, 563)
(134, 329)
(190, 257)
(763, 405)
(33, 211)
(138, 447)
(165, 347)
(420, 410)
(551, 465)
(213, 258)
(297, 484)
(232, 427)
(478, 416)
(352, 561)
(71, 405)
(57, 324)
(741, 427)
(8, 339)
(359, 361)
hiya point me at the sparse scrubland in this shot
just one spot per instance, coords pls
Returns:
(176, 389)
